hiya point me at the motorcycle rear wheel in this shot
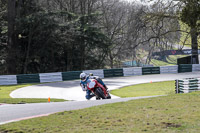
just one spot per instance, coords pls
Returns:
(108, 97)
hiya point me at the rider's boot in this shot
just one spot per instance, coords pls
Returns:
(105, 87)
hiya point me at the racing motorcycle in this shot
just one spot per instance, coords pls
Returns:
(98, 89)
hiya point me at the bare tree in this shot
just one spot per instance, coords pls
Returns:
(160, 28)
(114, 22)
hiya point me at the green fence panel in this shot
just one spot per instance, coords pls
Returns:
(71, 75)
(150, 70)
(113, 72)
(184, 68)
(28, 78)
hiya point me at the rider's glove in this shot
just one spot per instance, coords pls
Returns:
(84, 88)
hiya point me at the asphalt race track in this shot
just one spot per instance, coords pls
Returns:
(70, 90)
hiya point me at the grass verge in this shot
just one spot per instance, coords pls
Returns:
(5, 90)
(148, 89)
(172, 113)
(171, 60)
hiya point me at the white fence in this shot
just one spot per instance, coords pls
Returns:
(187, 85)
(196, 67)
(99, 72)
(50, 77)
(169, 69)
(8, 80)
(132, 71)
(57, 76)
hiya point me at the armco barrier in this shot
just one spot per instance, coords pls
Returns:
(113, 72)
(195, 67)
(50, 77)
(28, 78)
(168, 69)
(8, 80)
(99, 73)
(187, 85)
(150, 70)
(132, 71)
(71, 75)
(184, 68)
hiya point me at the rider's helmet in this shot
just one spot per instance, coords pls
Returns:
(83, 76)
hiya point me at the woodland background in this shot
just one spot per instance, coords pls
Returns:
(38, 36)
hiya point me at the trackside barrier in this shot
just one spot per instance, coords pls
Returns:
(195, 67)
(102, 73)
(28, 78)
(132, 71)
(169, 69)
(150, 70)
(71, 75)
(187, 85)
(99, 73)
(184, 68)
(8, 80)
(113, 72)
(50, 77)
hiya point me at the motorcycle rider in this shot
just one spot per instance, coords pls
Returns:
(86, 79)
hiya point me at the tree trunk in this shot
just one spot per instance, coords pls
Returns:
(194, 35)
(11, 57)
(111, 60)
(27, 52)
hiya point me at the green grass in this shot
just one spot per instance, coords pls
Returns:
(170, 114)
(27, 100)
(148, 89)
(171, 60)
(185, 37)
(5, 95)
(155, 62)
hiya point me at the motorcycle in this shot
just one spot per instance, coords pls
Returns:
(98, 89)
